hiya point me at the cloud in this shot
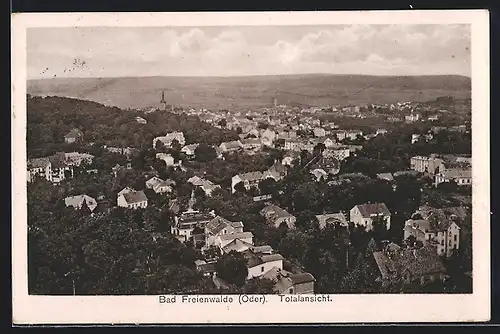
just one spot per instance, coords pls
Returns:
(368, 49)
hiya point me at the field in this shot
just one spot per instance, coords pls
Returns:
(254, 91)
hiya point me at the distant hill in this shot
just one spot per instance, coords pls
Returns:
(255, 91)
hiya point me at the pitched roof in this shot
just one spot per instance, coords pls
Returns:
(238, 235)
(251, 141)
(254, 259)
(278, 168)
(301, 278)
(262, 249)
(456, 173)
(217, 224)
(331, 218)
(251, 176)
(418, 262)
(135, 197)
(367, 210)
(38, 163)
(58, 160)
(275, 211)
(385, 176)
(231, 144)
(236, 245)
(77, 201)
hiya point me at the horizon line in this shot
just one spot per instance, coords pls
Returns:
(255, 75)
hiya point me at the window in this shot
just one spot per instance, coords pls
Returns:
(455, 238)
(290, 290)
(442, 242)
(262, 269)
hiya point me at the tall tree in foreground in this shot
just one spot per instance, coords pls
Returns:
(232, 268)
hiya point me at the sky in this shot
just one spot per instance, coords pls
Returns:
(252, 50)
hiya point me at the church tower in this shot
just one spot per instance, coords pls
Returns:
(163, 103)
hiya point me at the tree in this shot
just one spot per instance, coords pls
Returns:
(267, 186)
(205, 153)
(239, 130)
(240, 187)
(222, 123)
(259, 286)
(232, 267)
(319, 148)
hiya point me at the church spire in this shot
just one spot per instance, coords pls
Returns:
(162, 97)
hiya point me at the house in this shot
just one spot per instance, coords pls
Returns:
(319, 132)
(140, 120)
(462, 177)
(444, 235)
(77, 159)
(268, 137)
(353, 134)
(251, 143)
(78, 201)
(380, 132)
(39, 167)
(431, 164)
(339, 153)
(206, 269)
(169, 159)
(327, 141)
(218, 227)
(292, 145)
(276, 216)
(433, 118)
(59, 168)
(364, 214)
(259, 264)
(420, 266)
(236, 245)
(169, 138)
(159, 186)
(189, 150)
(319, 174)
(294, 284)
(277, 171)
(340, 134)
(133, 200)
(337, 219)
(250, 180)
(73, 136)
(186, 222)
(231, 146)
(206, 185)
(412, 118)
(126, 190)
(290, 157)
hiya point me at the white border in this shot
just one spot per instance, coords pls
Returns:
(345, 308)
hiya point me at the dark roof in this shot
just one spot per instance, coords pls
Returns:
(262, 249)
(255, 259)
(418, 262)
(217, 224)
(38, 162)
(207, 268)
(135, 196)
(302, 278)
(367, 210)
(58, 160)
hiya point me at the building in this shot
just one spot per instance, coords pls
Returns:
(259, 264)
(420, 266)
(380, 132)
(186, 222)
(206, 185)
(249, 180)
(431, 164)
(443, 235)
(336, 219)
(140, 120)
(39, 167)
(293, 284)
(219, 227)
(231, 146)
(386, 177)
(133, 200)
(319, 174)
(462, 177)
(78, 201)
(339, 153)
(353, 134)
(73, 136)
(77, 159)
(60, 169)
(319, 132)
(268, 137)
(276, 216)
(290, 158)
(340, 134)
(169, 159)
(189, 150)
(277, 171)
(364, 215)
(251, 144)
(160, 186)
(169, 138)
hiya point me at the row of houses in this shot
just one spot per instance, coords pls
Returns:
(252, 179)
(57, 167)
(444, 168)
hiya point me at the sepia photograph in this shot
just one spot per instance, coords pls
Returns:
(203, 164)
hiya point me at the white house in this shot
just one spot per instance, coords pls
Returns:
(78, 201)
(40, 167)
(268, 137)
(186, 222)
(462, 177)
(206, 185)
(133, 200)
(276, 216)
(169, 138)
(259, 264)
(189, 150)
(140, 120)
(364, 214)
(319, 132)
(250, 179)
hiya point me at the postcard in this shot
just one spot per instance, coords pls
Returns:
(250, 167)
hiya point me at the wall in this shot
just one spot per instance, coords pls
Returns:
(257, 270)
(303, 288)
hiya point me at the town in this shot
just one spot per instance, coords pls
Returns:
(282, 199)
